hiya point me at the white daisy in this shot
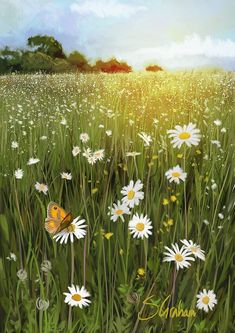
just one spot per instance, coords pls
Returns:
(216, 143)
(108, 132)
(187, 134)
(181, 257)
(87, 152)
(40, 187)
(66, 175)
(32, 161)
(19, 174)
(140, 226)
(92, 159)
(132, 193)
(12, 256)
(99, 154)
(206, 300)
(63, 122)
(176, 174)
(77, 296)
(14, 145)
(84, 137)
(76, 150)
(76, 228)
(118, 210)
(146, 138)
(194, 248)
(218, 122)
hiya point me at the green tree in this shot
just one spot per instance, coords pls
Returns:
(37, 61)
(47, 45)
(10, 60)
(79, 61)
(61, 66)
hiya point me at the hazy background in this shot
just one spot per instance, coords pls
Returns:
(171, 33)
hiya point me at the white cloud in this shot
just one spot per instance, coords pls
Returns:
(107, 8)
(192, 52)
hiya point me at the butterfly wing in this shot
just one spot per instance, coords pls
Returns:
(52, 225)
(57, 218)
(66, 222)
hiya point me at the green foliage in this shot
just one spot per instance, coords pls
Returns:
(37, 61)
(61, 66)
(79, 61)
(10, 60)
(47, 45)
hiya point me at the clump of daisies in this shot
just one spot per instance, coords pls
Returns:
(182, 257)
(93, 156)
(194, 248)
(139, 225)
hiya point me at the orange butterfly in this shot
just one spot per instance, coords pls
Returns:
(57, 218)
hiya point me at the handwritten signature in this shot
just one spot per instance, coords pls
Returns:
(163, 310)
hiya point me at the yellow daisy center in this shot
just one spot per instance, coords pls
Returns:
(71, 228)
(193, 249)
(175, 174)
(119, 211)
(205, 299)
(184, 135)
(140, 226)
(130, 194)
(76, 297)
(179, 257)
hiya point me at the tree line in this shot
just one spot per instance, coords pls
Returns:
(46, 54)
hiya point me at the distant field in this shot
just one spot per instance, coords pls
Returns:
(42, 117)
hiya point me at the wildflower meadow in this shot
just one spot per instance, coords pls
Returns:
(117, 203)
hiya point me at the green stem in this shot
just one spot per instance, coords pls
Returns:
(72, 278)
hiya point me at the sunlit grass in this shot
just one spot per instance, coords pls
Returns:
(31, 111)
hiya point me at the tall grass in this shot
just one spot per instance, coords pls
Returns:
(32, 107)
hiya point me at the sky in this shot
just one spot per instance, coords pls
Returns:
(175, 34)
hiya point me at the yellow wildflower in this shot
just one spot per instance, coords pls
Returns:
(173, 198)
(165, 202)
(141, 271)
(108, 235)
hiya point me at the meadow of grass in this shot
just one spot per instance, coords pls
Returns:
(45, 115)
